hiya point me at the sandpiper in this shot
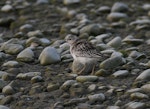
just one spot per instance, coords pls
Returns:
(83, 51)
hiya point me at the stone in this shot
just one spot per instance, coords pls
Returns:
(8, 90)
(6, 100)
(139, 96)
(140, 22)
(121, 73)
(146, 88)
(87, 78)
(42, 2)
(2, 84)
(35, 90)
(49, 56)
(2, 73)
(36, 79)
(113, 107)
(44, 41)
(4, 107)
(52, 87)
(7, 8)
(133, 90)
(12, 49)
(137, 55)
(119, 7)
(92, 29)
(112, 62)
(115, 43)
(26, 55)
(29, 75)
(36, 33)
(33, 40)
(26, 28)
(116, 16)
(92, 87)
(146, 7)
(6, 22)
(96, 97)
(144, 76)
(67, 84)
(102, 37)
(69, 2)
(11, 64)
(135, 105)
(84, 106)
(104, 9)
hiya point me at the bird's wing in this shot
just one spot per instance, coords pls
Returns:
(82, 48)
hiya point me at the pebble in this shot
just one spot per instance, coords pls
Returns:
(146, 88)
(139, 96)
(44, 41)
(86, 78)
(36, 79)
(42, 2)
(7, 8)
(92, 87)
(4, 107)
(69, 2)
(116, 16)
(26, 28)
(146, 7)
(115, 43)
(6, 22)
(144, 76)
(11, 64)
(137, 55)
(104, 9)
(2, 84)
(33, 40)
(133, 90)
(135, 105)
(140, 22)
(28, 75)
(52, 87)
(67, 84)
(12, 48)
(49, 56)
(92, 29)
(2, 73)
(8, 90)
(26, 55)
(119, 7)
(96, 97)
(111, 63)
(36, 33)
(121, 73)
(113, 107)
(6, 100)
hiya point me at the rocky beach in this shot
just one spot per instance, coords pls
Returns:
(37, 70)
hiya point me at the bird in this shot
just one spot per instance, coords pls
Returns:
(83, 52)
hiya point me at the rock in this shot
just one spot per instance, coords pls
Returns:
(11, 64)
(2, 56)
(131, 40)
(2, 73)
(26, 28)
(36, 33)
(35, 90)
(146, 88)
(8, 77)
(52, 87)
(135, 105)
(116, 16)
(133, 90)
(7, 8)
(12, 48)
(115, 43)
(111, 63)
(140, 22)
(92, 29)
(138, 95)
(33, 40)
(42, 2)
(84, 106)
(113, 107)
(86, 78)
(6, 22)
(69, 2)
(6, 100)
(36, 79)
(49, 56)
(4, 107)
(67, 84)
(76, 101)
(44, 41)
(119, 7)
(8, 90)
(121, 73)
(28, 75)
(58, 105)
(102, 37)
(92, 87)
(26, 55)
(144, 76)
(77, 67)
(96, 97)
(2, 84)
(104, 9)
(77, 89)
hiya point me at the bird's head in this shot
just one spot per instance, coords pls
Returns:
(71, 38)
